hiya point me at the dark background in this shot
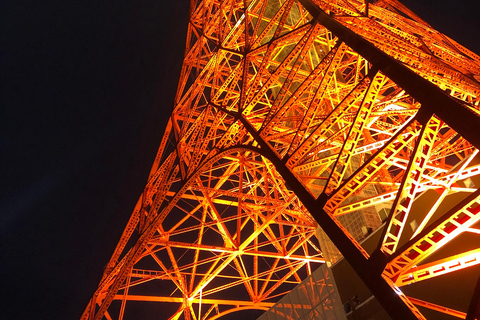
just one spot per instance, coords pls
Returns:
(86, 89)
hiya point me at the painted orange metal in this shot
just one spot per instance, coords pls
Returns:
(345, 113)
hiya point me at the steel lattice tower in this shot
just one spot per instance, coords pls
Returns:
(293, 113)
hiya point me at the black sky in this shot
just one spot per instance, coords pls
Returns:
(86, 88)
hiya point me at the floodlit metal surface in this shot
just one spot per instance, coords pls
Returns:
(291, 113)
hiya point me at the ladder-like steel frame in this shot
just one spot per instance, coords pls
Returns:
(291, 113)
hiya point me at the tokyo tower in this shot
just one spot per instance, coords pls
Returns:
(308, 132)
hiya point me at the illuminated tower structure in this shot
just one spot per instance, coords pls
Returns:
(350, 114)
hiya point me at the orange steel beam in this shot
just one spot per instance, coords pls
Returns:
(342, 239)
(245, 252)
(438, 268)
(355, 132)
(261, 305)
(396, 144)
(454, 222)
(421, 89)
(432, 306)
(298, 112)
(410, 183)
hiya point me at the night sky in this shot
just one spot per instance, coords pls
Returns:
(86, 89)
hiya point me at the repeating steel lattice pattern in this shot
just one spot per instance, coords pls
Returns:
(290, 114)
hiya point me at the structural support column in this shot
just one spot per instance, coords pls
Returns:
(432, 98)
(367, 269)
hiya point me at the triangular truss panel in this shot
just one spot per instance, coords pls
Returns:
(354, 116)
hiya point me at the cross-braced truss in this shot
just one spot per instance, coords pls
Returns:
(353, 115)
